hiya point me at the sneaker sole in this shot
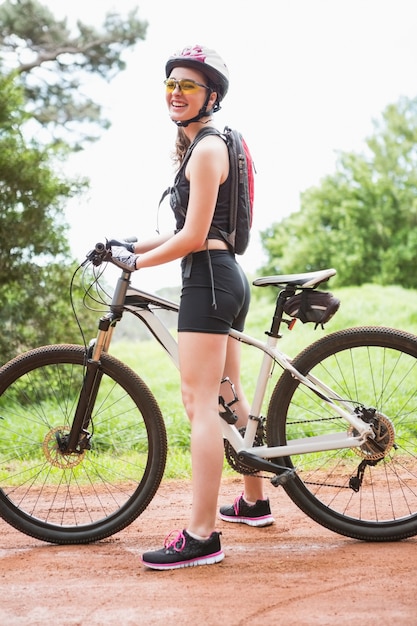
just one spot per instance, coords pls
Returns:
(250, 521)
(211, 559)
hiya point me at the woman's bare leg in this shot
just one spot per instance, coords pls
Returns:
(202, 359)
(253, 485)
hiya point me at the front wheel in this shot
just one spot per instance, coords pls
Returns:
(86, 496)
(370, 492)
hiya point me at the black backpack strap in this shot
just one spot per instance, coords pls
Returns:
(164, 195)
(205, 132)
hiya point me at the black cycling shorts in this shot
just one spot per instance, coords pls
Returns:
(215, 293)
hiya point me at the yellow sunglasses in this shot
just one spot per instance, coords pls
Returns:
(186, 85)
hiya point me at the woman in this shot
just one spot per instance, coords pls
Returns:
(214, 299)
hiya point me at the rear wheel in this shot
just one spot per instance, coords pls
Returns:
(370, 492)
(82, 497)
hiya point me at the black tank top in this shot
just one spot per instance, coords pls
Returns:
(180, 195)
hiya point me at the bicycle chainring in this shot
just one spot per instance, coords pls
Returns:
(231, 454)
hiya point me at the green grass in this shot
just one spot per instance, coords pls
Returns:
(367, 305)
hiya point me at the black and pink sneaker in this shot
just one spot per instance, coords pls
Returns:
(185, 551)
(258, 514)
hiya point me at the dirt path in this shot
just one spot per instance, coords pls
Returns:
(292, 573)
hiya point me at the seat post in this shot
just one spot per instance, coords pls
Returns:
(283, 296)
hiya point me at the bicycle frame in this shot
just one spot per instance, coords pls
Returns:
(144, 306)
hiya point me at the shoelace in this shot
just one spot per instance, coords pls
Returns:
(173, 543)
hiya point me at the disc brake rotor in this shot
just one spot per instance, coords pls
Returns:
(54, 455)
(378, 448)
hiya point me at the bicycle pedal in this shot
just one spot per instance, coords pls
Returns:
(281, 479)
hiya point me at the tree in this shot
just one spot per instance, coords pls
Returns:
(362, 219)
(35, 266)
(55, 64)
(42, 69)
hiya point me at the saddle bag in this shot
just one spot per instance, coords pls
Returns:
(312, 306)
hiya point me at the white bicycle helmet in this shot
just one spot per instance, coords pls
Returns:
(208, 62)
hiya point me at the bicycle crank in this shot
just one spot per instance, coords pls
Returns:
(256, 463)
(247, 463)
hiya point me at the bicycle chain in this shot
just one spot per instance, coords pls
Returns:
(319, 419)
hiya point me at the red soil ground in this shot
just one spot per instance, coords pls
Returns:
(294, 573)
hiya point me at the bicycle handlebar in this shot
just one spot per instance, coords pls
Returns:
(123, 243)
(102, 253)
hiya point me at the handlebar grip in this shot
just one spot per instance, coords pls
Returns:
(122, 243)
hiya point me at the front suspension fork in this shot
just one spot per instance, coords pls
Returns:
(78, 439)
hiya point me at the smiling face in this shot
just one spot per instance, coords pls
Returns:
(184, 105)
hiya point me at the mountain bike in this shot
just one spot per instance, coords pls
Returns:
(83, 443)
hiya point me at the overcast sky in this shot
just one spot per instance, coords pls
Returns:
(308, 77)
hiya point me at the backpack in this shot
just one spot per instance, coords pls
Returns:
(241, 187)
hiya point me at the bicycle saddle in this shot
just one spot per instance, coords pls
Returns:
(308, 279)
